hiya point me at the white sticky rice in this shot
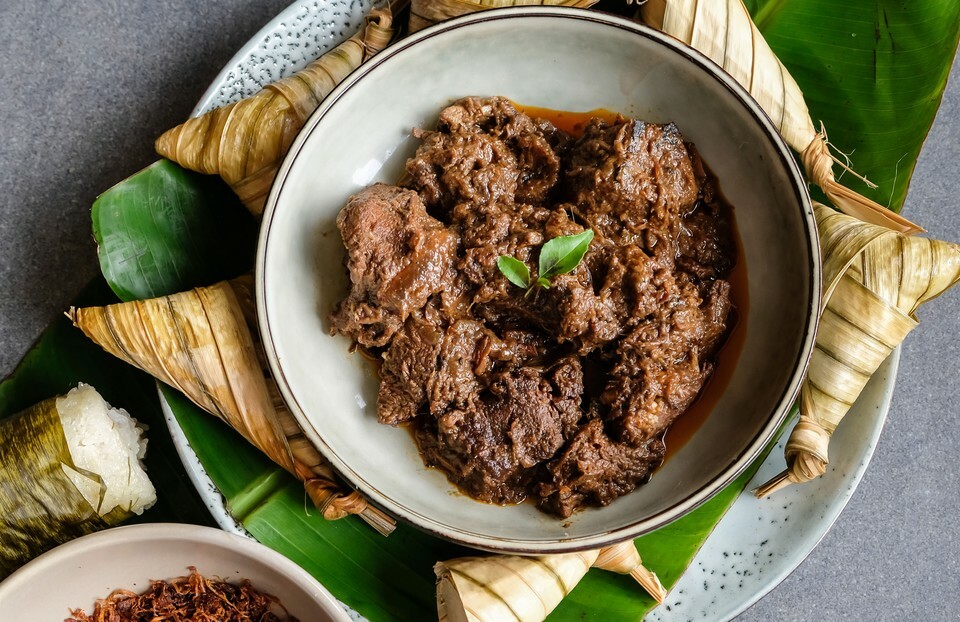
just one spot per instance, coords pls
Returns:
(106, 441)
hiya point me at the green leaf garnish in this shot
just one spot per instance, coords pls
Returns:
(563, 254)
(515, 270)
(558, 256)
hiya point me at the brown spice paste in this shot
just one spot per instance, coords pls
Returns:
(193, 598)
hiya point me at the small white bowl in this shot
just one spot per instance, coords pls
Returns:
(74, 575)
(562, 59)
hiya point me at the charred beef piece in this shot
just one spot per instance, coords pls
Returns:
(397, 256)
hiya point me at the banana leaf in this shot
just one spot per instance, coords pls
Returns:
(380, 576)
(166, 226)
(873, 71)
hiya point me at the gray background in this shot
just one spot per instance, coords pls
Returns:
(85, 87)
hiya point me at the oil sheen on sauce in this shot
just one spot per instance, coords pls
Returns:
(684, 427)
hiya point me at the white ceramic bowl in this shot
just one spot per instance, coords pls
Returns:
(74, 575)
(554, 58)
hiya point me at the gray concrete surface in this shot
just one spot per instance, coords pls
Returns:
(86, 86)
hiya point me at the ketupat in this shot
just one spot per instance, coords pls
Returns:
(195, 342)
(425, 13)
(724, 31)
(623, 558)
(874, 280)
(245, 142)
(69, 466)
(507, 587)
(200, 343)
(498, 587)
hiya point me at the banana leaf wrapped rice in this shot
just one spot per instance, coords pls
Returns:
(69, 466)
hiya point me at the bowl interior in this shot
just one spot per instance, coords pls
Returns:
(559, 59)
(76, 574)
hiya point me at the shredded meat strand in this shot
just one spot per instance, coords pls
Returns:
(193, 598)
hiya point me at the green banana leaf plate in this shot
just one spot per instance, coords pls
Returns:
(873, 71)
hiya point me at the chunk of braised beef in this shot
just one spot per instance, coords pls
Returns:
(660, 367)
(431, 368)
(398, 256)
(594, 469)
(630, 175)
(469, 351)
(490, 447)
(407, 369)
(484, 151)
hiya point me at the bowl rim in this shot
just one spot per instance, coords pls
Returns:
(735, 467)
(37, 568)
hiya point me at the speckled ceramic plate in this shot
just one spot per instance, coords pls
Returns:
(757, 543)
